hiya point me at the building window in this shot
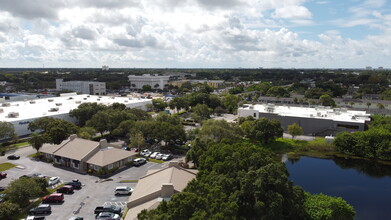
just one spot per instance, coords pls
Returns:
(255, 115)
(355, 127)
(75, 164)
(110, 166)
(129, 159)
(96, 167)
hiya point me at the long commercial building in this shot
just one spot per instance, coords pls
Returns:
(21, 113)
(155, 81)
(319, 121)
(82, 87)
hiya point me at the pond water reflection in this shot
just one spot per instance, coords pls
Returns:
(364, 184)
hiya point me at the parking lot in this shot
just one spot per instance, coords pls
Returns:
(94, 192)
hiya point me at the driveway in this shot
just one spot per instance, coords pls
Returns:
(94, 192)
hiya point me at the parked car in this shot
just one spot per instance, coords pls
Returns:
(75, 184)
(108, 208)
(54, 180)
(53, 198)
(159, 156)
(3, 175)
(35, 218)
(41, 209)
(139, 161)
(123, 190)
(153, 155)
(65, 189)
(13, 157)
(108, 216)
(76, 218)
(167, 157)
(126, 148)
(145, 153)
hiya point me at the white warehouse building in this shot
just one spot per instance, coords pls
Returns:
(318, 121)
(155, 81)
(82, 87)
(21, 113)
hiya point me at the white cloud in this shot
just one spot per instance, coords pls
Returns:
(170, 33)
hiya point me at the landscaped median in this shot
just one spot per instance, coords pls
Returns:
(6, 166)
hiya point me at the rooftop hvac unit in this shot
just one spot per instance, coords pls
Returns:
(98, 100)
(319, 114)
(58, 104)
(77, 102)
(53, 109)
(6, 104)
(32, 102)
(85, 98)
(1, 110)
(50, 100)
(13, 114)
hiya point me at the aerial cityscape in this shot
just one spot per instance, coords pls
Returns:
(204, 109)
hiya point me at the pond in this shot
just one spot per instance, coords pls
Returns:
(364, 184)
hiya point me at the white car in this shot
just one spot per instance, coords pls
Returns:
(139, 161)
(154, 154)
(54, 180)
(145, 153)
(108, 215)
(159, 156)
(166, 157)
(123, 190)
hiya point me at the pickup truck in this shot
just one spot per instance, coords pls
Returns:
(108, 208)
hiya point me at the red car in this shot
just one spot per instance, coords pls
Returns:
(53, 198)
(3, 175)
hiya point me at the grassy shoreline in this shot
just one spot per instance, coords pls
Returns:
(317, 148)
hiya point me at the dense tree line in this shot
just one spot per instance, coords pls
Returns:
(240, 180)
(374, 143)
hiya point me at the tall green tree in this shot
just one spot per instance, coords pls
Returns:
(265, 130)
(231, 102)
(85, 111)
(21, 190)
(86, 132)
(327, 100)
(159, 104)
(201, 112)
(6, 130)
(36, 140)
(322, 207)
(8, 210)
(295, 130)
(54, 130)
(137, 141)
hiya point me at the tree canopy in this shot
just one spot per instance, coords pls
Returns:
(6, 130)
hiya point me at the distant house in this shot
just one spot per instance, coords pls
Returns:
(156, 186)
(82, 155)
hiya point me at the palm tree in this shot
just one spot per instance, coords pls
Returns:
(380, 106)
(369, 104)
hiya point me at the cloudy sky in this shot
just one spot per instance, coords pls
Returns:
(195, 33)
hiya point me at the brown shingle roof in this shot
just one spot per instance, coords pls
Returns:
(109, 155)
(76, 149)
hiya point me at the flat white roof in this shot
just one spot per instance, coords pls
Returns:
(312, 112)
(38, 108)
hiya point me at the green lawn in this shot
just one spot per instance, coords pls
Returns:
(21, 144)
(128, 181)
(6, 166)
(155, 161)
(288, 145)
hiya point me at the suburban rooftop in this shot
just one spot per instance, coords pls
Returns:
(23, 110)
(337, 114)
